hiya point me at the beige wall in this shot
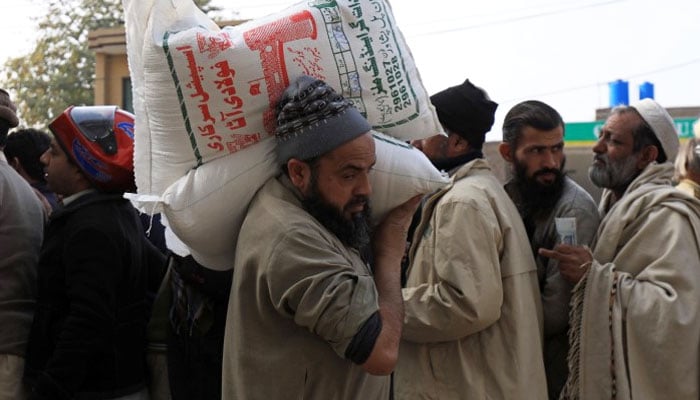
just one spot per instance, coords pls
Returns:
(111, 65)
(110, 72)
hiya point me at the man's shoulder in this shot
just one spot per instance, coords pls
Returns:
(104, 212)
(573, 188)
(274, 205)
(275, 213)
(11, 182)
(667, 196)
(652, 206)
(99, 203)
(481, 191)
(576, 197)
(478, 184)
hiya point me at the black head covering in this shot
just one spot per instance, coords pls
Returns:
(465, 110)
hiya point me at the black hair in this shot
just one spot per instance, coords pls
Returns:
(4, 128)
(312, 162)
(532, 113)
(27, 145)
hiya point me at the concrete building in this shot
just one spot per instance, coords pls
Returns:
(112, 81)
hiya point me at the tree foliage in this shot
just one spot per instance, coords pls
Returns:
(60, 71)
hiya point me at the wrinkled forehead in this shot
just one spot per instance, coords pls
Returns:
(361, 147)
(621, 123)
(541, 137)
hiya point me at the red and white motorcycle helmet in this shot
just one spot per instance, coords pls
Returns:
(100, 140)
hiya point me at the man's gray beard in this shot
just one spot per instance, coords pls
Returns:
(615, 174)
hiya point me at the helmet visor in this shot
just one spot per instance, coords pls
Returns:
(97, 125)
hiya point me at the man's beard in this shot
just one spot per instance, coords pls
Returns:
(354, 232)
(613, 174)
(535, 195)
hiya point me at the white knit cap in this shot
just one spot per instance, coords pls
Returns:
(662, 125)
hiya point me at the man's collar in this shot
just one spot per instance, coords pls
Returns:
(450, 165)
(76, 196)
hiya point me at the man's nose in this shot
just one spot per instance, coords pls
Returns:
(364, 188)
(549, 160)
(599, 147)
(44, 159)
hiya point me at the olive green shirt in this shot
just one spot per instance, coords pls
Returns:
(298, 298)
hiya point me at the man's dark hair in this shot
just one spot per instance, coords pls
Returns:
(642, 134)
(27, 145)
(4, 129)
(532, 113)
(312, 162)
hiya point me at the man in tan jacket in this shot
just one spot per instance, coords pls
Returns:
(473, 315)
(635, 319)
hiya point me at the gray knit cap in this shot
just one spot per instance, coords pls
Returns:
(312, 119)
(8, 110)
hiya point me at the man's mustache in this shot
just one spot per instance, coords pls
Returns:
(357, 200)
(546, 171)
(600, 158)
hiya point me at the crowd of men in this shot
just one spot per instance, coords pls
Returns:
(481, 297)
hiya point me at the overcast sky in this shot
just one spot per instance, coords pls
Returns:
(563, 52)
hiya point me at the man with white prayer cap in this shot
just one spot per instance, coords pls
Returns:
(635, 319)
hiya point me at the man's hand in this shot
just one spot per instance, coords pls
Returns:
(389, 244)
(574, 261)
(390, 235)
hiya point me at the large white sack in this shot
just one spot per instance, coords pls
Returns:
(401, 172)
(206, 207)
(201, 92)
(207, 217)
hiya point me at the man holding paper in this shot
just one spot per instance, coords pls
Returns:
(635, 317)
(554, 209)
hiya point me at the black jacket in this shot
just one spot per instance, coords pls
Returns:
(88, 338)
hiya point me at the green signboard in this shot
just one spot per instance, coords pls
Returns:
(587, 132)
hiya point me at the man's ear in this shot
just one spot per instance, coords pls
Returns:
(505, 151)
(457, 144)
(647, 156)
(300, 174)
(14, 163)
(17, 166)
